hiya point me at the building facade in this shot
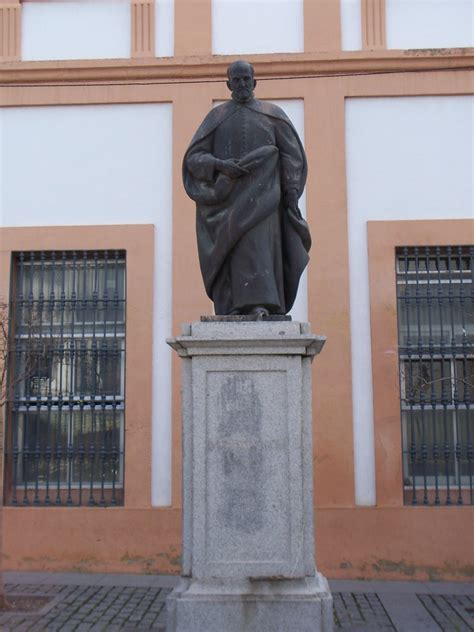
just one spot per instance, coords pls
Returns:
(99, 101)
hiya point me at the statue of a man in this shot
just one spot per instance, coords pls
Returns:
(246, 169)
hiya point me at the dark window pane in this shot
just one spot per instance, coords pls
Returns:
(429, 443)
(465, 430)
(426, 380)
(436, 348)
(68, 371)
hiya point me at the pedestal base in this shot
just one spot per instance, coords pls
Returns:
(225, 605)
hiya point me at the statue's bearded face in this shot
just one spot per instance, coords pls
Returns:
(241, 82)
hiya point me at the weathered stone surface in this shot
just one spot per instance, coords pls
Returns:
(247, 338)
(299, 605)
(248, 537)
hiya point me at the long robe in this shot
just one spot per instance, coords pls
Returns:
(252, 250)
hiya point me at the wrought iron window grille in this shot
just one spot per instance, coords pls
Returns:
(435, 301)
(66, 390)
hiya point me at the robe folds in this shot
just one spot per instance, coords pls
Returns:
(252, 248)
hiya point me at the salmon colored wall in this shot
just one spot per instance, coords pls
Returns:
(387, 541)
(421, 543)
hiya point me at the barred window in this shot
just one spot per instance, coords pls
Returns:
(435, 293)
(66, 394)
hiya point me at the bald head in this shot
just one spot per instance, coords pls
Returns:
(241, 81)
(240, 66)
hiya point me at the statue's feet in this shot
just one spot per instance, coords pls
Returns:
(259, 311)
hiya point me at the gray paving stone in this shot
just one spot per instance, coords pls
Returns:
(366, 607)
(360, 611)
(408, 614)
(451, 612)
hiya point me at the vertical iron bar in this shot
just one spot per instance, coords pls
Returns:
(116, 359)
(464, 351)
(103, 371)
(444, 395)
(469, 388)
(423, 448)
(82, 370)
(62, 305)
(409, 395)
(39, 366)
(28, 451)
(71, 403)
(454, 384)
(92, 448)
(51, 354)
(433, 400)
(17, 381)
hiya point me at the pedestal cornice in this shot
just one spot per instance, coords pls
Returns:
(247, 338)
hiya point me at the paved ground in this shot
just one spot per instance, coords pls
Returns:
(110, 602)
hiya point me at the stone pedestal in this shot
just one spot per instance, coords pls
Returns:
(248, 540)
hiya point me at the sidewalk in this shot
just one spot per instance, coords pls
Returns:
(110, 602)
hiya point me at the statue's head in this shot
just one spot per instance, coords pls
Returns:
(241, 81)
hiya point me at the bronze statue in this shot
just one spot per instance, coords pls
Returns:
(246, 169)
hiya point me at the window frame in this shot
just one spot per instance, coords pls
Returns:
(61, 367)
(383, 239)
(138, 242)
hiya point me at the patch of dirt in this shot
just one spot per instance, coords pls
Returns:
(25, 603)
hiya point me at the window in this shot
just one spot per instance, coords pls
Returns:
(435, 295)
(66, 395)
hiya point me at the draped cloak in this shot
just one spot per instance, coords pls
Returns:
(252, 249)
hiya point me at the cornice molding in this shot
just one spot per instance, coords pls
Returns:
(184, 69)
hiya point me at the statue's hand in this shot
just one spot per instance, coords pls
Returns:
(231, 168)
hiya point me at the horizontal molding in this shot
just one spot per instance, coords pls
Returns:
(182, 69)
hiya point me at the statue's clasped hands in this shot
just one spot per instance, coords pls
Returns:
(231, 168)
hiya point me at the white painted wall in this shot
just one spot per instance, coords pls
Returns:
(429, 23)
(408, 158)
(257, 26)
(108, 164)
(351, 25)
(164, 28)
(76, 29)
